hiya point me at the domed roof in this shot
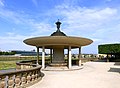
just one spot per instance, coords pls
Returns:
(58, 32)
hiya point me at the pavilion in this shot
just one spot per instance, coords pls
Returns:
(57, 42)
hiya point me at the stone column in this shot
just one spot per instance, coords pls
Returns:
(51, 55)
(43, 57)
(37, 55)
(79, 56)
(68, 57)
(70, 61)
(107, 58)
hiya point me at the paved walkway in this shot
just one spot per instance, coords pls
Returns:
(93, 75)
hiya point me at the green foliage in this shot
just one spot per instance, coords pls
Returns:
(7, 53)
(109, 49)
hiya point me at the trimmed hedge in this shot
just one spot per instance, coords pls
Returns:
(109, 49)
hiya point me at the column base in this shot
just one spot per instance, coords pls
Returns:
(80, 63)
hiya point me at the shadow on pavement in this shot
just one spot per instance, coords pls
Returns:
(42, 74)
(117, 63)
(100, 60)
(114, 70)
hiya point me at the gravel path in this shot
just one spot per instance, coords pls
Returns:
(93, 75)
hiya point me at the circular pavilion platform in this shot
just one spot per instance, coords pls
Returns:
(57, 42)
(63, 68)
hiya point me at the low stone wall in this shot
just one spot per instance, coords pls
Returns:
(88, 59)
(21, 78)
(83, 60)
(26, 64)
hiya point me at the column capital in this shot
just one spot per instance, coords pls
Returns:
(37, 47)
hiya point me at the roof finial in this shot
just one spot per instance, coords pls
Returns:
(58, 32)
(58, 23)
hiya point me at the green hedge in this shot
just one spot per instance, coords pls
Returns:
(109, 49)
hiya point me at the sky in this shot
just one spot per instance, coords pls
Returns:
(98, 20)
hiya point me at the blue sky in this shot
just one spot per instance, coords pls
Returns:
(98, 20)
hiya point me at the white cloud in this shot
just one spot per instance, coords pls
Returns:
(100, 24)
(2, 3)
(91, 23)
(88, 22)
(11, 15)
(40, 28)
(83, 16)
(21, 18)
(14, 41)
(11, 38)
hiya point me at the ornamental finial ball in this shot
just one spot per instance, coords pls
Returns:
(58, 23)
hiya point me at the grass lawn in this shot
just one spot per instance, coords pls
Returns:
(7, 64)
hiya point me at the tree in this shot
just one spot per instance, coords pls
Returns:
(7, 53)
